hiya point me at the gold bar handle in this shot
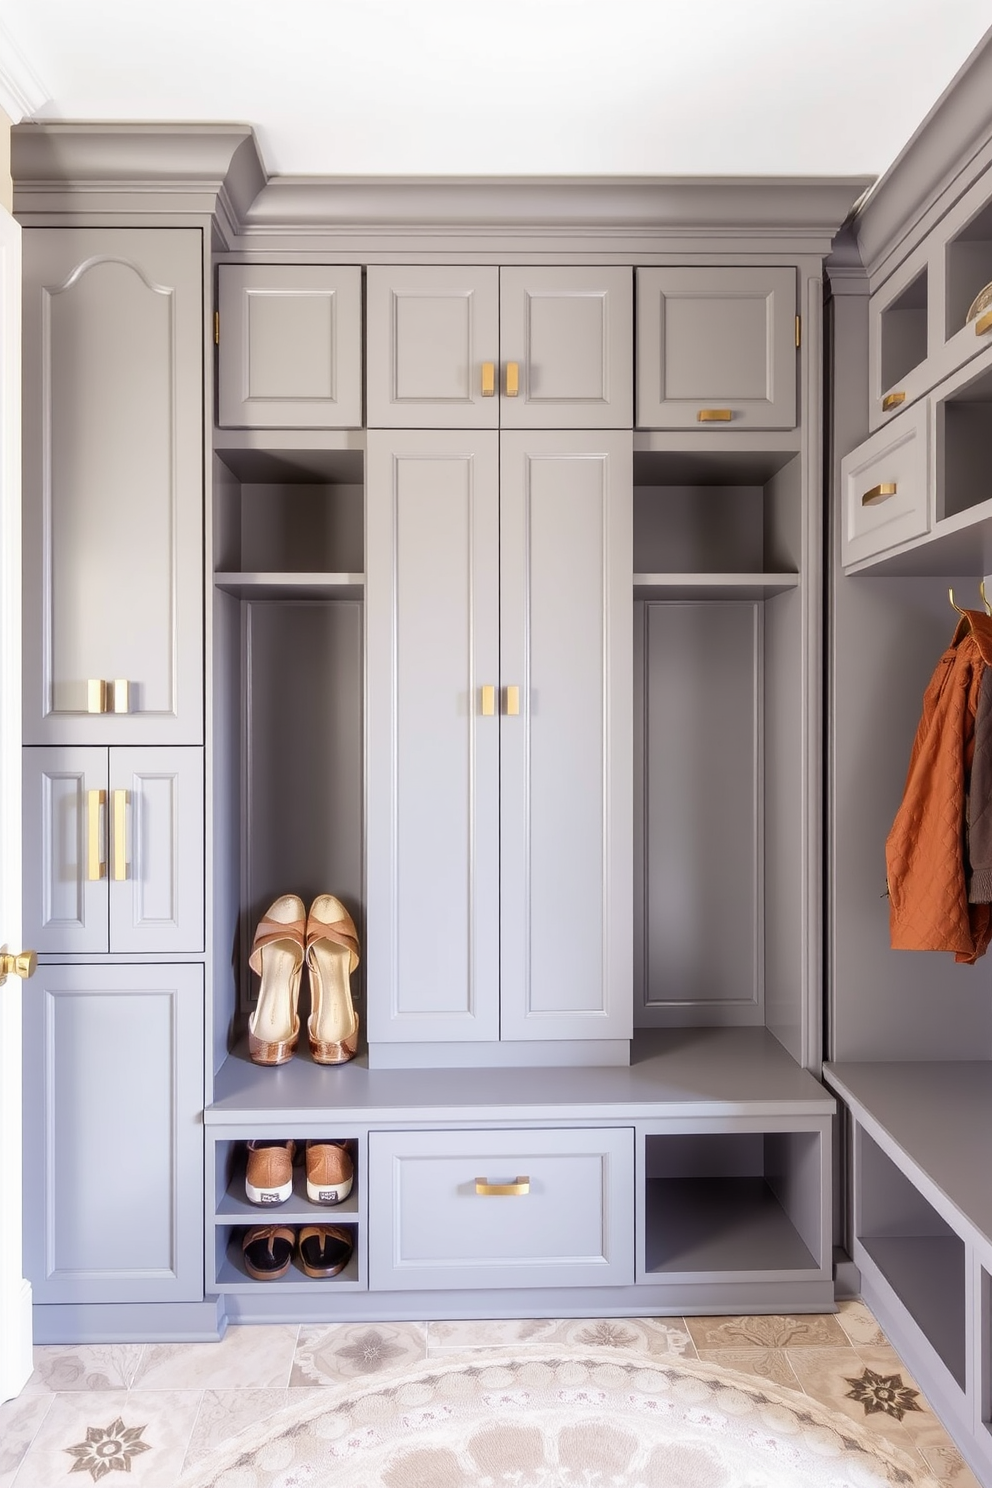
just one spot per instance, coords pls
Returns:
(96, 695)
(983, 323)
(513, 702)
(120, 835)
(714, 415)
(489, 701)
(122, 696)
(96, 800)
(489, 379)
(512, 379)
(879, 493)
(521, 1185)
(892, 400)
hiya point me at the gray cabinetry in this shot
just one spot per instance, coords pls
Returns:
(290, 350)
(716, 347)
(113, 483)
(114, 1152)
(113, 849)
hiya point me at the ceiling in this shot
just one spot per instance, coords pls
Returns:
(519, 87)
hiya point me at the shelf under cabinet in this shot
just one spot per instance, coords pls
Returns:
(720, 1224)
(291, 585)
(927, 1274)
(712, 585)
(235, 1208)
(232, 1276)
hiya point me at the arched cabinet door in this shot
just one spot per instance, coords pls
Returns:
(113, 486)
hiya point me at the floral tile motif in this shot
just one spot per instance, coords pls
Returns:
(883, 1393)
(60, 1367)
(489, 1333)
(253, 1358)
(224, 1414)
(84, 1435)
(107, 1449)
(770, 1332)
(770, 1364)
(824, 1374)
(860, 1326)
(650, 1336)
(334, 1352)
(19, 1423)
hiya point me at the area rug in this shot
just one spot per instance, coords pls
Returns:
(592, 1418)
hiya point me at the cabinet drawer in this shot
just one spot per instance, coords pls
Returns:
(435, 1220)
(884, 488)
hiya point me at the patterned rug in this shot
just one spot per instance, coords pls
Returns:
(590, 1418)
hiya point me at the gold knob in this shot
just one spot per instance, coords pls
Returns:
(513, 702)
(489, 379)
(23, 965)
(512, 379)
(521, 1185)
(892, 400)
(879, 493)
(983, 324)
(714, 415)
(96, 695)
(489, 701)
(122, 696)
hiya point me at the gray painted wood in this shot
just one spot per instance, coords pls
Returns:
(64, 910)
(113, 1096)
(716, 338)
(896, 455)
(429, 331)
(565, 761)
(290, 353)
(432, 605)
(159, 904)
(429, 1227)
(113, 482)
(570, 331)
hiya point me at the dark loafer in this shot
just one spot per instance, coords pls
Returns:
(267, 1250)
(325, 1249)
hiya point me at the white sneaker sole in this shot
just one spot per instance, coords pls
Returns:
(268, 1196)
(328, 1193)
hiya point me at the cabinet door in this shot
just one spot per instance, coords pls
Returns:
(432, 607)
(113, 485)
(113, 1171)
(431, 332)
(65, 850)
(566, 639)
(290, 354)
(155, 826)
(570, 333)
(716, 341)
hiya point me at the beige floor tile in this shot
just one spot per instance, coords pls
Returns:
(20, 1421)
(148, 1428)
(769, 1364)
(651, 1336)
(842, 1380)
(820, 1330)
(224, 1414)
(251, 1358)
(332, 1352)
(947, 1465)
(860, 1325)
(60, 1367)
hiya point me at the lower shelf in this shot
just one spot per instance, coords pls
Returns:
(702, 1226)
(233, 1277)
(927, 1274)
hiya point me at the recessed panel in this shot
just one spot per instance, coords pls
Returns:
(716, 346)
(281, 319)
(567, 346)
(432, 338)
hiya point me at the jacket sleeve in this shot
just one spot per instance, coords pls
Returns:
(979, 864)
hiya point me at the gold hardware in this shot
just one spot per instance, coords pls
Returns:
(521, 1185)
(23, 965)
(95, 866)
(512, 379)
(122, 696)
(96, 695)
(985, 602)
(799, 331)
(216, 327)
(879, 493)
(892, 400)
(983, 324)
(714, 415)
(950, 595)
(513, 702)
(489, 701)
(489, 379)
(120, 835)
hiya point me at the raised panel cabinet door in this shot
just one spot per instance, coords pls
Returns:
(290, 350)
(716, 348)
(113, 486)
(432, 618)
(566, 814)
(65, 850)
(113, 1170)
(155, 857)
(570, 334)
(432, 335)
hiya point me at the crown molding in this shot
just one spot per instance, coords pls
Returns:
(21, 92)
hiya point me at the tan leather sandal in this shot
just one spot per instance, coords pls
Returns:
(277, 957)
(332, 955)
(267, 1251)
(325, 1249)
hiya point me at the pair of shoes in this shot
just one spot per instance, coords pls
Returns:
(269, 1174)
(267, 1250)
(327, 939)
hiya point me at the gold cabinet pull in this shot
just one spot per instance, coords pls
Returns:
(22, 964)
(512, 379)
(714, 415)
(122, 696)
(96, 800)
(489, 701)
(96, 695)
(489, 379)
(983, 323)
(513, 702)
(120, 835)
(879, 493)
(892, 400)
(520, 1185)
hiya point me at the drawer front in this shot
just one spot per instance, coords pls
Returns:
(437, 1219)
(884, 488)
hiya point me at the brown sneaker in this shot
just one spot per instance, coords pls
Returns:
(269, 1177)
(330, 1172)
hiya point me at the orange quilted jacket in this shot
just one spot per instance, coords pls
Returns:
(925, 851)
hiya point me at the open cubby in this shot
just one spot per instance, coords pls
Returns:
(968, 268)
(231, 1274)
(904, 331)
(732, 1202)
(233, 1207)
(964, 473)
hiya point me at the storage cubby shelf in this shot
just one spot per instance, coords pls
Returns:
(712, 585)
(292, 585)
(234, 1207)
(720, 1225)
(232, 1276)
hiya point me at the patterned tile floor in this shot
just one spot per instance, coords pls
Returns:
(155, 1409)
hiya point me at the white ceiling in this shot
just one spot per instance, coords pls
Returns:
(510, 87)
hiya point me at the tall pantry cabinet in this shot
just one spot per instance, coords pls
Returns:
(507, 521)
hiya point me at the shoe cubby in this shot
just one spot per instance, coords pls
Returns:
(903, 331)
(962, 410)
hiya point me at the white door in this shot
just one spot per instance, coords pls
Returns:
(15, 1293)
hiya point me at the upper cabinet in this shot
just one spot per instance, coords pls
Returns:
(514, 348)
(113, 486)
(716, 348)
(290, 346)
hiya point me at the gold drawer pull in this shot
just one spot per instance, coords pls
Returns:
(983, 323)
(120, 835)
(879, 493)
(489, 701)
(95, 866)
(714, 415)
(122, 696)
(520, 1185)
(96, 695)
(512, 379)
(892, 400)
(513, 702)
(489, 379)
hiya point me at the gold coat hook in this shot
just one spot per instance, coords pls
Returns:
(985, 601)
(950, 595)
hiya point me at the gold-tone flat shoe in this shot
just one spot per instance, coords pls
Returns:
(332, 955)
(277, 957)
